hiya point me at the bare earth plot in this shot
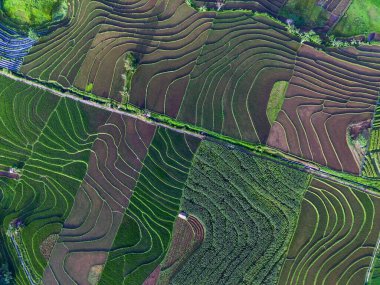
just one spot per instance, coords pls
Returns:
(324, 97)
(337, 233)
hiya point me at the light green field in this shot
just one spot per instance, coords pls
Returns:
(362, 17)
(276, 99)
(35, 12)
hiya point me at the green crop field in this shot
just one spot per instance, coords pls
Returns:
(50, 149)
(374, 277)
(305, 13)
(249, 208)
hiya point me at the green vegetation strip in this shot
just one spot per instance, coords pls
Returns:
(145, 233)
(371, 164)
(305, 13)
(373, 277)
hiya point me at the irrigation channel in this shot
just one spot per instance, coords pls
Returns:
(290, 160)
(22, 261)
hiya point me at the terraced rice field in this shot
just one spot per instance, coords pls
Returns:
(166, 36)
(90, 229)
(52, 159)
(366, 55)
(229, 88)
(324, 97)
(91, 195)
(146, 230)
(24, 112)
(249, 208)
(336, 236)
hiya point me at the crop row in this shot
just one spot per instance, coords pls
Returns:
(324, 97)
(249, 207)
(335, 238)
(230, 85)
(146, 231)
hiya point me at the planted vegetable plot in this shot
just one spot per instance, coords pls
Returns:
(324, 98)
(249, 207)
(336, 236)
(145, 233)
(229, 88)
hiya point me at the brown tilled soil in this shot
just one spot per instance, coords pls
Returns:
(198, 229)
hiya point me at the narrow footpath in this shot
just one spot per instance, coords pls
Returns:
(287, 159)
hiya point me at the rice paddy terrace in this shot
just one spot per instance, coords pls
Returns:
(184, 142)
(336, 236)
(325, 95)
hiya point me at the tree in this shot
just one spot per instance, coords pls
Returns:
(6, 277)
